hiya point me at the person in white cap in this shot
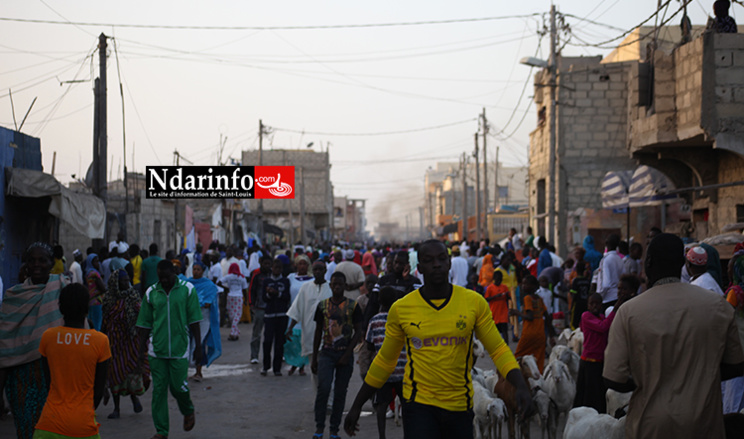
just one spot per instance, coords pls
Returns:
(696, 262)
(354, 275)
(75, 268)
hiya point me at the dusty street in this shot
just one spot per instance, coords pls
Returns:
(235, 401)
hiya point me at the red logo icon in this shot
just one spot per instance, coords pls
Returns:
(274, 182)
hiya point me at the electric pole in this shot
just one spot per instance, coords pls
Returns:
(477, 192)
(464, 197)
(260, 202)
(100, 139)
(302, 205)
(552, 155)
(485, 164)
(496, 182)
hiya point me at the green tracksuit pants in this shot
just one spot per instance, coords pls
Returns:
(169, 374)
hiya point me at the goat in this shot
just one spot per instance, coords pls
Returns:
(576, 342)
(504, 390)
(585, 422)
(497, 414)
(489, 413)
(568, 357)
(561, 388)
(542, 408)
(563, 338)
(617, 401)
(478, 376)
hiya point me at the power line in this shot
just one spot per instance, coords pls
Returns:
(379, 133)
(298, 27)
(608, 26)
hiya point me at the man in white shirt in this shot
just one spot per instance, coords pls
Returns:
(76, 269)
(696, 263)
(459, 269)
(354, 275)
(335, 260)
(215, 270)
(612, 268)
(229, 259)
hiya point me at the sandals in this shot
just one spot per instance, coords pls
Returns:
(197, 378)
(188, 422)
(159, 436)
(302, 372)
(334, 436)
(318, 436)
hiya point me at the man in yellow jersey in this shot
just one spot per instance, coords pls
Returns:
(436, 324)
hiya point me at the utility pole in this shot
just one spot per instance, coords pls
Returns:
(464, 167)
(260, 202)
(496, 182)
(477, 192)
(484, 122)
(302, 205)
(177, 162)
(100, 139)
(552, 155)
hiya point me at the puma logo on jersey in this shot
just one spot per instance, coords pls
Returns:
(418, 325)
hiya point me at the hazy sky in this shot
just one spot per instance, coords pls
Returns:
(184, 88)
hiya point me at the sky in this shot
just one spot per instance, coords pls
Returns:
(341, 88)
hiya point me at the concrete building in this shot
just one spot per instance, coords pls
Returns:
(314, 193)
(444, 195)
(678, 112)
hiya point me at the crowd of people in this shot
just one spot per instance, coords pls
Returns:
(147, 318)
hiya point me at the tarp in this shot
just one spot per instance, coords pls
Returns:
(649, 187)
(85, 212)
(645, 186)
(615, 187)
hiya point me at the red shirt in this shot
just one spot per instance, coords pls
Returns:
(596, 329)
(499, 307)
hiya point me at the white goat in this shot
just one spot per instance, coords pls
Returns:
(616, 400)
(489, 412)
(576, 342)
(479, 376)
(563, 338)
(561, 388)
(478, 350)
(585, 422)
(542, 409)
(497, 414)
(568, 357)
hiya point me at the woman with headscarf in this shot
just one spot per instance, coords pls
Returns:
(713, 267)
(236, 286)
(96, 290)
(120, 308)
(27, 310)
(209, 327)
(368, 264)
(486, 271)
(292, 349)
(733, 390)
(592, 255)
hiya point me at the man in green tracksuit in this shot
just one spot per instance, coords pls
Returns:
(169, 310)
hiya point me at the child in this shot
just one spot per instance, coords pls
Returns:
(632, 264)
(590, 387)
(277, 298)
(375, 336)
(76, 361)
(627, 287)
(537, 321)
(498, 297)
(580, 290)
(545, 294)
(474, 285)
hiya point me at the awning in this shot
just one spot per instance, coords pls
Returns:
(615, 187)
(274, 230)
(645, 186)
(649, 187)
(85, 212)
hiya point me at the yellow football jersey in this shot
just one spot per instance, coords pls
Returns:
(438, 338)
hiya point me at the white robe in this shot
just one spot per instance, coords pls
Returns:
(303, 311)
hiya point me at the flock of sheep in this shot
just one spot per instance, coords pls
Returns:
(553, 393)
